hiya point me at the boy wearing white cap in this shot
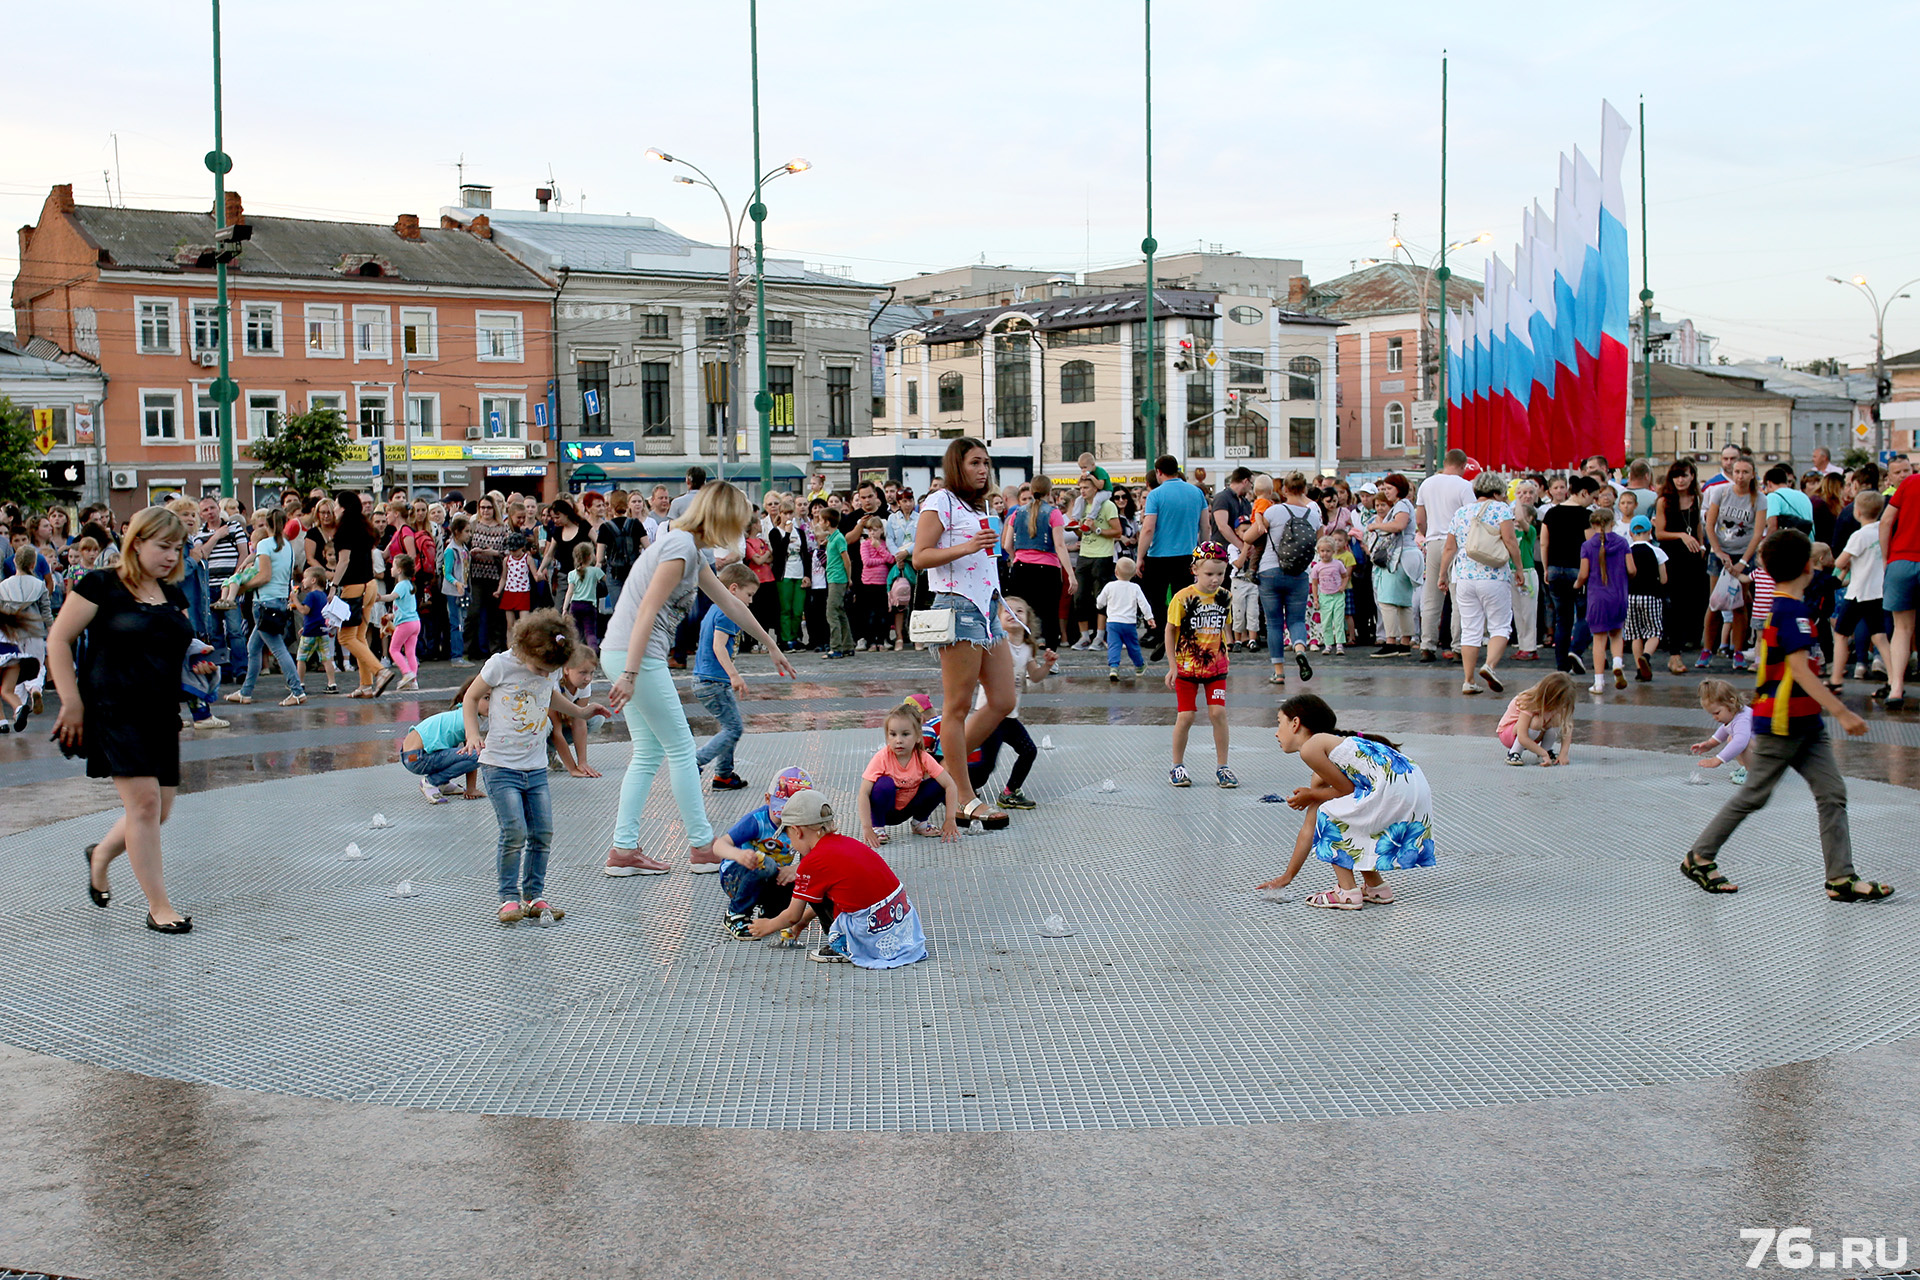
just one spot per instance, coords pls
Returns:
(850, 888)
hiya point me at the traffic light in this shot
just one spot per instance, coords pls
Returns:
(1883, 390)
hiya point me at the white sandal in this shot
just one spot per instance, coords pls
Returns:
(1337, 899)
(294, 700)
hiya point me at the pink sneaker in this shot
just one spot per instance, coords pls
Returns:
(632, 862)
(704, 862)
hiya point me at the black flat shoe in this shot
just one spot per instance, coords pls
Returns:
(101, 897)
(183, 925)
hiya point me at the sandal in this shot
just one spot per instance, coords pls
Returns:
(1337, 899)
(1383, 894)
(978, 812)
(881, 836)
(1707, 876)
(240, 698)
(294, 700)
(1854, 889)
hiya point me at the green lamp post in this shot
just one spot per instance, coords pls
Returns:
(224, 390)
(1149, 407)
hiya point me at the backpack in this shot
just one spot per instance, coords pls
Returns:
(1294, 550)
(624, 550)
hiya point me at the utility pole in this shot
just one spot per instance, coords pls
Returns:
(1149, 407)
(1443, 275)
(1646, 300)
(762, 398)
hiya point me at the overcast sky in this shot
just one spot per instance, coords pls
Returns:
(1781, 141)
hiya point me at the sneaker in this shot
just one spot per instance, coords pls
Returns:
(1599, 684)
(826, 954)
(408, 681)
(512, 913)
(1514, 757)
(1737, 775)
(1140, 670)
(728, 782)
(634, 864)
(1739, 662)
(39, 707)
(1014, 800)
(540, 911)
(1306, 668)
(211, 722)
(1083, 643)
(20, 718)
(1428, 655)
(736, 924)
(431, 792)
(1642, 669)
(1619, 677)
(1339, 651)
(553, 763)
(1576, 665)
(1113, 673)
(1706, 656)
(1179, 776)
(1859, 671)
(860, 646)
(1386, 651)
(1225, 777)
(457, 662)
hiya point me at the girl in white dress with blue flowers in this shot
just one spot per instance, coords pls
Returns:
(1369, 809)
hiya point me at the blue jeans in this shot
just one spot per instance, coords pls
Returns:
(658, 725)
(227, 633)
(266, 635)
(970, 626)
(1283, 599)
(439, 767)
(747, 888)
(1567, 611)
(1123, 637)
(457, 625)
(522, 805)
(717, 697)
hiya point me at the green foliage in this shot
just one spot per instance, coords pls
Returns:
(1855, 459)
(20, 478)
(307, 450)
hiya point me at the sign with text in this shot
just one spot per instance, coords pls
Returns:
(83, 424)
(598, 450)
(829, 450)
(507, 450)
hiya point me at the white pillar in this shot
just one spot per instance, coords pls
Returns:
(1366, 391)
(927, 389)
(1273, 380)
(1126, 398)
(989, 393)
(1329, 455)
(1177, 399)
(693, 394)
(898, 393)
(1036, 370)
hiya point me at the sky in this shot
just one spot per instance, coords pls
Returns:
(1780, 150)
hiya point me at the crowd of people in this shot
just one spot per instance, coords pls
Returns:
(132, 620)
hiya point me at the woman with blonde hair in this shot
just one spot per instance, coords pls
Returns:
(123, 709)
(657, 596)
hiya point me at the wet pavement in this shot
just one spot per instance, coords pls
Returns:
(122, 1173)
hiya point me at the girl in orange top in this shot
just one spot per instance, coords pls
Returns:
(904, 783)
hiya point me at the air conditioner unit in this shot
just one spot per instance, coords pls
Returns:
(209, 359)
(473, 433)
(537, 449)
(123, 478)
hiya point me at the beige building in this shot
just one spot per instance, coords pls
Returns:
(1697, 414)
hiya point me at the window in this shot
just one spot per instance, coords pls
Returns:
(161, 411)
(323, 331)
(1076, 438)
(953, 393)
(156, 326)
(1013, 387)
(1244, 315)
(327, 400)
(1076, 383)
(206, 418)
(263, 415)
(1303, 378)
(503, 416)
(840, 402)
(715, 328)
(1300, 436)
(1693, 437)
(1396, 425)
(1200, 416)
(1244, 369)
(373, 415)
(417, 336)
(499, 335)
(1396, 355)
(370, 334)
(423, 416)
(913, 397)
(1709, 437)
(654, 327)
(779, 331)
(780, 387)
(1098, 335)
(656, 381)
(263, 328)
(1202, 333)
(206, 326)
(1247, 430)
(594, 383)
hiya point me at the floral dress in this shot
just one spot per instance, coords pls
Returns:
(1387, 822)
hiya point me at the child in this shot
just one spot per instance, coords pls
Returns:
(1017, 617)
(436, 749)
(871, 594)
(1646, 595)
(1197, 660)
(1243, 584)
(516, 579)
(454, 563)
(758, 872)
(1540, 720)
(1735, 718)
(526, 680)
(839, 577)
(904, 783)
(1526, 584)
(406, 623)
(1122, 609)
(850, 889)
(1865, 566)
(314, 640)
(242, 577)
(1330, 578)
(1605, 570)
(1789, 733)
(585, 584)
(716, 680)
(1626, 507)
(1369, 809)
(1820, 595)
(567, 740)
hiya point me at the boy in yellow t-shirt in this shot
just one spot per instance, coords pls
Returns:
(1197, 627)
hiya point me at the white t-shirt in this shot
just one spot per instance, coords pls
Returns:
(673, 546)
(1277, 517)
(1440, 496)
(1869, 565)
(1122, 602)
(517, 713)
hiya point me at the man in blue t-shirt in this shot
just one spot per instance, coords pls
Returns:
(1169, 531)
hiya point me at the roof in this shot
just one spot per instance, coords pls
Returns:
(41, 359)
(301, 248)
(1671, 380)
(1089, 312)
(615, 244)
(1798, 383)
(1386, 288)
(1904, 358)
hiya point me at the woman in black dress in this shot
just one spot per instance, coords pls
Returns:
(122, 707)
(1676, 523)
(352, 575)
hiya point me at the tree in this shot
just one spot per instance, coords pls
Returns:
(306, 450)
(20, 477)
(1856, 459)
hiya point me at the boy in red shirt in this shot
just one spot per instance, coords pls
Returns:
(850, 888)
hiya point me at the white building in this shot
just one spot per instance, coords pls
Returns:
(37, 376)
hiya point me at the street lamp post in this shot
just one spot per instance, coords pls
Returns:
(1879, 350)
(224, 391)
(1435, 389)
(1149, 407)
(1030, 329)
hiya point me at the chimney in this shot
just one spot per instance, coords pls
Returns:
(235, 214)
(60, 199)
(481, 227)
(450, 223)
(408, 226)
(474, 195)
(1297, 287)
(543, 195)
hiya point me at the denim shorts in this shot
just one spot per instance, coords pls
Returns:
(969, 626)
(1900, 587)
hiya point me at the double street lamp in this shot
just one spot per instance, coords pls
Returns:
(1433, 389)
(1880, 387)
(736, 339)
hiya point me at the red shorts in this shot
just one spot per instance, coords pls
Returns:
(518, 601)
(1188, 692)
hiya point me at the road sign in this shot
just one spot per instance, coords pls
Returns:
(1886, 455)
(1423, 414)
(539, 414)
(1861, 431)
(494, 427)
(43, 431)
(592, 399)
(1213, 359)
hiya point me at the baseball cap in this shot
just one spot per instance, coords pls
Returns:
(790, 782)
(1640, 524)
(1369, 487)
(806, 809)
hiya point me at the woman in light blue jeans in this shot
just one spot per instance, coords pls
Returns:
(658, 594)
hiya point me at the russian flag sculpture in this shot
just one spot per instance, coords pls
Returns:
(1538, 365)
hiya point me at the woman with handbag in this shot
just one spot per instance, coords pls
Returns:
(272, 588)
(1033, 538)
(1389, 539)
(953, 545)
(1476, 568)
